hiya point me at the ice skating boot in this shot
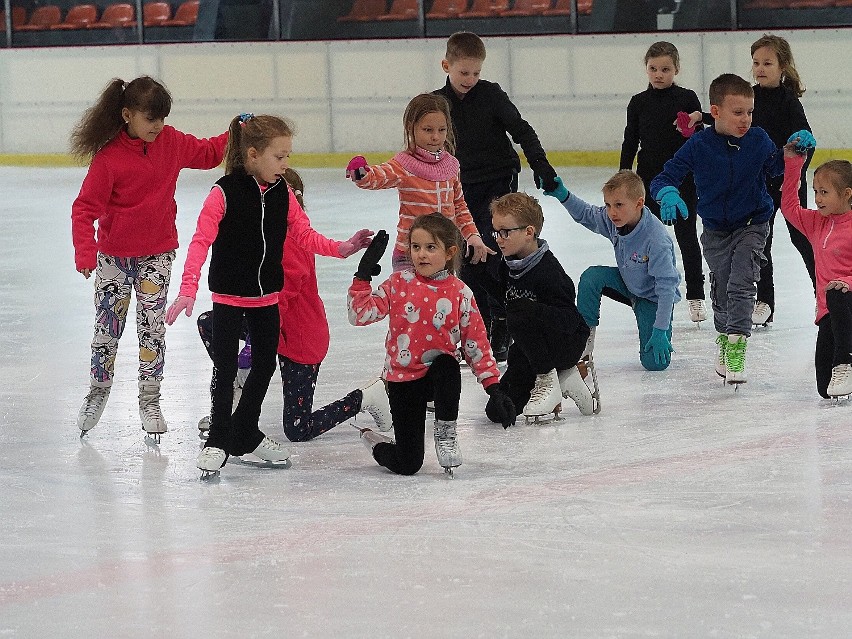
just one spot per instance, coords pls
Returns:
(92, 408)
(210, 460)
(447, 445)
(499, 337)
(697, 311)
(735, 356)
(272, 451)
(721, 366)
(590, 344)
(371, 438)
(153, 422)
(574, 387)
(204, 426)
(545, 397)
(762, 314)
(374, 400)
(841, 381)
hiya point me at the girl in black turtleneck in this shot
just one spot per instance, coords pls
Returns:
(651, 117)
(777, 111)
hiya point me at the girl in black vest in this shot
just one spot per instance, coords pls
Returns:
(245, 219)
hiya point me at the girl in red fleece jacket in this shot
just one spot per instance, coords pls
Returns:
(129, 190)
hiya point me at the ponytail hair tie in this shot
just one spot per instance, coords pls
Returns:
(245, 117)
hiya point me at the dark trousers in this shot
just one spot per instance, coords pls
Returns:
(479, 197)
(538, 348)
(238, 434)
(766, 285)
(408, 412)
(686, 236)
(834, 338)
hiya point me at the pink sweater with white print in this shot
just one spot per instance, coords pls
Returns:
(299, 230)
(427, 318)
(830, 236)
(425, 186)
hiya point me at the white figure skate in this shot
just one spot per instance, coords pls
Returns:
(762, 315)
(153, 422)
(447, 446)
(545, 397)
(573, 387)
(586, 368)
(92, 408)
(374, 400)
(697, 311)
(210, 461)
(840, 386)
(735, 357)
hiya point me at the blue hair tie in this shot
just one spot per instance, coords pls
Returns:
(245, 117)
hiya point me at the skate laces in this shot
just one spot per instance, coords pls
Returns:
(839, 374)
(271, 444)
(445, 436)
(94, 400)
(735, 355)
(541, 390)
(722, 341)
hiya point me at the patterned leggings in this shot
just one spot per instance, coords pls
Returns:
(300, 422)
(115, 279)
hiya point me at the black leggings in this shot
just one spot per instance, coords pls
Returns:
(408, 411)
(834, 339)
(238, 434)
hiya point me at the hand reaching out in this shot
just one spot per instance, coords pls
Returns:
(357, 168)
(477, 250)
(182, 303)
(360, 240)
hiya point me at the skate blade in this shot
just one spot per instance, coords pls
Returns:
(209, 475)
(250, 459)
(153, 439)
(448, 471)
(203, 434)
(839, 400)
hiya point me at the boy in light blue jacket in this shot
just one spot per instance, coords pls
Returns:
(730, 162)
(646, 278)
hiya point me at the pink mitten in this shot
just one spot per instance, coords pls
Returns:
(357, 168)
(683, 124)
(355, 243)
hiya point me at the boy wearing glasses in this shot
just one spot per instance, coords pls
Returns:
(646, 278)
(549, 333)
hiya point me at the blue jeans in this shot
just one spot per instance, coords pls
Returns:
(605, 281)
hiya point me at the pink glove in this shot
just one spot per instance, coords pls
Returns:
(357, 168)
(683, 124)
(355, 243)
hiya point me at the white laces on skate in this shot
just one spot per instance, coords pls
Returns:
(697, 310)
(271, 444)
(841, 381)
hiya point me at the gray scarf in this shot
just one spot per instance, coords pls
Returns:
(518, 268)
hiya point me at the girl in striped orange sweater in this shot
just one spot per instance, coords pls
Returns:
(426, 175)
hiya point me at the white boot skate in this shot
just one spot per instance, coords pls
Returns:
(590, 344)
(762, 314)
(697, 311)
(271, 451)
(572, 386)
(204, 425)
(545, 397)
(374, 400)
(92, 408)
(210, 460)
(153, 422)
(841, 381)
(735, 355)
(447, 446)
(721, 367)
(371, 438)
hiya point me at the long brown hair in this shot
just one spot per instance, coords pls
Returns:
(443, 231)
(102, 121)
(252, 131)
(789, 76)
(839, 173)
(420, 106)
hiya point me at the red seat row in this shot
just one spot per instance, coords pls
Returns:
(85, 16)
(375, 10)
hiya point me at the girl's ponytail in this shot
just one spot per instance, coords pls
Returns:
(100, 123)
(233, 152)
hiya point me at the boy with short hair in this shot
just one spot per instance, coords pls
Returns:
(730, 162)
(549, 334)
(646, 278)
(482, 117)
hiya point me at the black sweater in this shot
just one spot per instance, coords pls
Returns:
(779, 112)
(480, 122)
(650, 128)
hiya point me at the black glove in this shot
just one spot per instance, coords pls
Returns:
(500, 408)
(543, 175)
(369, 264)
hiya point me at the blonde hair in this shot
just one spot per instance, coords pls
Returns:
(523, 207)
(660, 49)
(443, 231)
(421, 106)
(789, 75)
(839, 174)
(252, 131)
(464, 44)
(629, 181)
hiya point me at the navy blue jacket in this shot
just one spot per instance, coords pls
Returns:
(730, 176)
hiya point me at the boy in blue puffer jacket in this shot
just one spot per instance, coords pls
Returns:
(730, 162)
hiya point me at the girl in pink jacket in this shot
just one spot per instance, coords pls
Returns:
(829, 230)
(129, 191)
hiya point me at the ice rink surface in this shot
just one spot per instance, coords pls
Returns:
(684, 509)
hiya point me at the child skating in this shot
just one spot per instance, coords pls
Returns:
(129, 190)
(431, 314)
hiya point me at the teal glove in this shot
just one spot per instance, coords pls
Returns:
(560, 192)
(660, 345)
(805, 141)
(671, 204)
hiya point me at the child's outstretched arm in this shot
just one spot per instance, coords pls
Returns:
(791, 207)
(363, 305)
(592, 217)
(387, 175)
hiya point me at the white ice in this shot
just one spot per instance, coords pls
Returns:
(684, 509)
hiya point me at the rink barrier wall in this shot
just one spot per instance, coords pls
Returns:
(332, 160)
(574, 90)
